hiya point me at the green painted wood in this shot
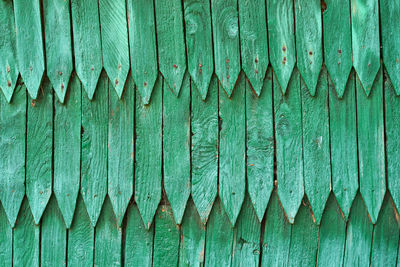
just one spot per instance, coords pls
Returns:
(260, 145)
(39, 153)
(281, 37)
(199, 43)
(171, 42)
(304, 239)
(121, 151)
(219, 237)
(176, 147)
(277, 232)
(114, 37)
(289, 150)
(166, 238)
(26, 243)
(343, 137)
(316, 146)
(87, 43)
(8, 50)
(67, 150)
(53, 237)
(108, 238)
(254, 41)
(6, 237)
(204, 118)
(12, 163)
(30, 55)
(232, 149)
(358, 235)
(371, 146)
(148, 158)
(337, 42)
(81, 238)
(138, 240)
(193, 238)
(386, 236)
(246, 239)
(143, 50)
(94, 134)
(57, 25)
(332, 236)
(309, 41)
(365, 40)
(226, 42)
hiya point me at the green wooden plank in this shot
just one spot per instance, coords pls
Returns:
(281, 37)
(365, 40)
(205, 149)
(337, 43)
(176, 147)
(343, 137)
(30, 55)
(6, 235)
(12, 163)
(226, 42)
(8, 54)
(219, 238)
(166, 238)
(332, 236)
(57, 25)
(67, 150)
(138, 240)
(39, 145)
(316, 150)
(171, 42)
(114, 37)
(371, 146)
(121, 151)
(148, 148)
(193, 238)
(108, 238)
(254, 41)
(386, 236)
(309, 41)
(94, 149)
(289, 149)
(26, 238)
(260, 145)
(81, 238)
(142, 41)
(199, 43)
(87, 43)
(275, 246)
(232, 149)
(53, 237)
(358, 235)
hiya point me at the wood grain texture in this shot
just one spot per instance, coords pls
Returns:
(232, 149)
(8, 50)
(67, 150)
(337, 42)
(57, 25)
(39, 153)
(87, 43)
(6, 235)
(142, 42)
(289, 147)
(260, 145)
(12, 163)
(171, 42)
(30, 54)
(204, 119)
(199, 43)
(281, 37)
(365, 40)
(225, 24)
